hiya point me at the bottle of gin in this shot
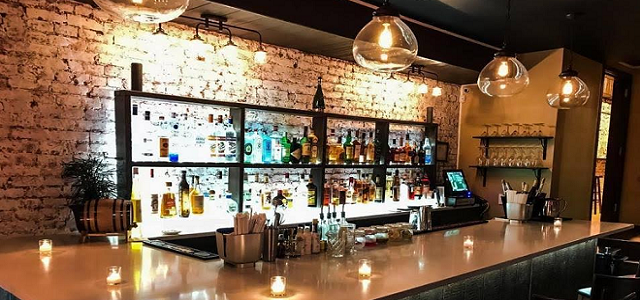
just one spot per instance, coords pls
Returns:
(276, 146)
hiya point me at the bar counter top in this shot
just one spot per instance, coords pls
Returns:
(79, 271)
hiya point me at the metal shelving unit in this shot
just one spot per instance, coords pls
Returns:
(237, 169)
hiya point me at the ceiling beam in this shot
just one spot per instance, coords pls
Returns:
(346, 18)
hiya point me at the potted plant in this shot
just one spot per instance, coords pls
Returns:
(91, 179)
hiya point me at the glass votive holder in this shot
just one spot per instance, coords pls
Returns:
(45, 246)
(278, 286)
(364, 268)
(113, 275)
(468, 242)
(557, 222)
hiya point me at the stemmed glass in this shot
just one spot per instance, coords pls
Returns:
(511, 161)
(486, 130)
(519, 159)
(482, 158)
(506, 131)
(496, 131)
(516, 130)
(539, 131)
(495, 156)
(503, 157)
(527, 130)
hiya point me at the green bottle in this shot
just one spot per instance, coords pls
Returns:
(286, 149)
(349, 149)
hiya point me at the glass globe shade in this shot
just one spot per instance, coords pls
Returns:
(407, 86)
(145, 11)
(423, 88)
(504, 76)
(229, 51)
(568, 91)
(386, 44)
(436, 91)
(260, 56)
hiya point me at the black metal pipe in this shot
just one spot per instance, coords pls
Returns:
(136, 77)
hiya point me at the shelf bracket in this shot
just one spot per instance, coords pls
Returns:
(544, 142)
(537, 173)
(483, 173)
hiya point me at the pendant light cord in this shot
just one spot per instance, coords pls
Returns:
(571, 18)
(507, 26)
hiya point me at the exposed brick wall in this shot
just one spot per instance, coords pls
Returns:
(60, 62)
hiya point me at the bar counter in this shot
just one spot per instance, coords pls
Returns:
(431, 261)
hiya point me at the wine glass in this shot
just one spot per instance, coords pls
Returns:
(516, 129)
(539, 131)
(486, 129)
(526, 130)
(519, 159)
(482, 158)
(511, 160)
(496, 131)
(506, 131)
(495, 156)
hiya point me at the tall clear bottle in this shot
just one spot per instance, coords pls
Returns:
(231, 141)
(248, 146)
(136, 197)
(370, 151)
(257, 147)
(183, 196)
(428, 159)
(168, 203)
(267, 153)
(196, 197)
(276, 146)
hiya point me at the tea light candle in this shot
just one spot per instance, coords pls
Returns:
(468, 242)
(557, 222)
(46, 246)
(113, 276)
(364, 271)
(278, 286)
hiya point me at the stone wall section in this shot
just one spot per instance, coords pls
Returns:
(60, 62)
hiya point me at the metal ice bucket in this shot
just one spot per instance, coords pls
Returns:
(239, 250)
(519, 212)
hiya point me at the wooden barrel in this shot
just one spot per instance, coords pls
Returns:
(107, 216)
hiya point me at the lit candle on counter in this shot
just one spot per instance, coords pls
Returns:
(113, 276)
(468, 242)
(278, 286)
(46, 246)
(557, 222)
(364, 271)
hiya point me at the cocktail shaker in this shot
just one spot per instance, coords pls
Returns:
(270, 246)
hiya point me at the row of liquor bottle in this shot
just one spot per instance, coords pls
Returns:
(167, 200)
(188, 137)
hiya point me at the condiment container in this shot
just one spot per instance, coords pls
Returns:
(369, 237)
(395, 233)
(382, 234)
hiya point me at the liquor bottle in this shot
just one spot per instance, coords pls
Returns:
(411, 186)
(296, 151)
(163, 140)
(265, 194)
(396, 186)
(364, 189)
(370, 151)
(427, 152)
(201, 150)
(357, 148)
(378, 149)
(183, 196)
(318, 98)
(231, 141)
(256, 147)
(307, 240)
(340, 150)
(349, 199)
(153, 192)
(408, 151)
(315, 237)
(417, 186)
(196, 197)
(421, 155)
(279, 199)
(267, 150)
(312, 193)
(168, 203)
(426, 185)
(372, 188)
(378, 191)
(276, 146)
(389, 187)
(136, 197)
(348, 149)
(335, 193)
(220, 139)
(174, 146)
(313, 140)
(361, 149)
(400, 152)
(333, 152)
(248, 146)
(392, 156)
(358, 196)
(305, 147)
(404, 188)
(286, 191)
(286, 149)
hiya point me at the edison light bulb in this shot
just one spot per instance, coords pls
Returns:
(386, 43)
(386, 38)
(136, 1)
(423, 88)
(407, 86)
(567, 88)
(568, 91)
(230, 51)
(503, 70)
(436, 91)
(260, 56)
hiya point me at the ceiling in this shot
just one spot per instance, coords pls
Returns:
(605, 30)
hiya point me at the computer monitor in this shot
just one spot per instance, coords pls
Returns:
(455, 184)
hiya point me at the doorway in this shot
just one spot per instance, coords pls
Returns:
(610, 151)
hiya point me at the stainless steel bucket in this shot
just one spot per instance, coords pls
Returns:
(519, 212)
(239, 250)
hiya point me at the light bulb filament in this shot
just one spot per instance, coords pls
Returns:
(386, 39)
(567, 88)
(503, 69)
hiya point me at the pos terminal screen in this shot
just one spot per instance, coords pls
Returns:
(457, 181)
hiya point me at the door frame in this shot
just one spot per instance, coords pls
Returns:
(616, 144)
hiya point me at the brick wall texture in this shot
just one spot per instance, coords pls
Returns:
(60, 62)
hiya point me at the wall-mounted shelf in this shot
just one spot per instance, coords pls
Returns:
(537, 171)
(544, 141)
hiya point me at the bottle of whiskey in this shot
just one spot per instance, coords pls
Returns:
(348, 149)
(185, 205)
(168, 203)
(361, 149)
(340, 150)
(392, 157)
(265, 194)
(305, 147)
(313, 140)
(396, 186)
(408, 151)
(378, 191)
(196, 197)
(312, 193)
(370, 151)
(332, 148)
(136, 197)
(296, 151)
(318, 98)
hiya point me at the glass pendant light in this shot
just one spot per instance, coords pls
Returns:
(408, 85)
(568, 90)
(145, 11)
(505, 75)
(386, 44)
(260, 56)
(230, 50)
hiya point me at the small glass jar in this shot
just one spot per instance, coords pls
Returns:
(360, 239)
(382, 234)
(395, 233)
(370, 237)
(407, 231)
